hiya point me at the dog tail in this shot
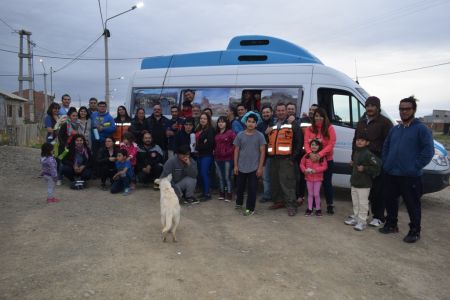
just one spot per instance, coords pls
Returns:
(169, 217)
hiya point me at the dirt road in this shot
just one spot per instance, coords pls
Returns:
(94, 245)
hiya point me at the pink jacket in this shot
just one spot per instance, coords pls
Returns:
(319, 167)
(224, 148)
(132, 150)
(327, 143)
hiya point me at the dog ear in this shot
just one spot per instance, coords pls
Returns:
(157, 180)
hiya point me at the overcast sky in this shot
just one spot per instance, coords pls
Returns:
(383, 36)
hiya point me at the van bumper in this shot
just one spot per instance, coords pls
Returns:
(434, 181)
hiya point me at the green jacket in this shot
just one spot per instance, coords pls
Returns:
(372, 167)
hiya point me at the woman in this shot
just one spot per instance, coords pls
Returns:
(204, 145)
(323, 131)
(106, 159)
(85, 124)
(123, 122)
(223, 157)
(77, 164)
(138, 125)
(50, 121)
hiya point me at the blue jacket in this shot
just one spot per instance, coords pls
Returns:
(407, 150)
(101, 119)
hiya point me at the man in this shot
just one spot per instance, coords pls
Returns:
(175, 124)
(196, 112)
(92, 105)
(157, 125)
(184, 174)
(239, 126)
(307, 118)
(376, 127)
(407, 149)
(65, 105)
(104, 124)
(291, 110)
(284, 147)
(189, 95)
(264, 128)
(149, 160)
(300, 183)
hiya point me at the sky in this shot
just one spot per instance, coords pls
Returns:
(356, 37)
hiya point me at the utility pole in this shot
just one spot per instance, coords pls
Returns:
(106, 35)
(46, 104)
(51, 83)
(28, 78)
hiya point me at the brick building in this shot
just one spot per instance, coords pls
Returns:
(439, 121)
(40, 109)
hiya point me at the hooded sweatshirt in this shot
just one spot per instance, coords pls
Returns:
(106, 121)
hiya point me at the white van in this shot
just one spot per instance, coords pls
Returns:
(271, 70)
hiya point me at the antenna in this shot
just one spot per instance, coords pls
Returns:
(356, 72)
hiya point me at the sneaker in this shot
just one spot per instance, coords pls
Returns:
(238, 206)
(193, 200)
(350, 220)
(375, 222)
(292, 212)
(222, 196)
(386, 229)
(318, 213)
(59, 182)
(330, 209)
(412, 237)
(308, 212)
(126, 192)
(52, 200)
(248, 212)
(228, 197)
(277, 205)
(360, 226)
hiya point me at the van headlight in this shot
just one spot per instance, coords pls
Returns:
(439, 158)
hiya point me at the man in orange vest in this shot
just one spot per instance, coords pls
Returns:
(284, 147)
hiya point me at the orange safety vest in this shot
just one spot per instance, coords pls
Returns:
(121, 128)
(280, 140)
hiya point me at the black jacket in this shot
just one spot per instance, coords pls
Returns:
(205, 143)
(103, 158)
(145, 156)
(158, 130)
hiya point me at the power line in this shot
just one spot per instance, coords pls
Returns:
(10, 27)
(77, 58)
(101, 15)
(404, 71)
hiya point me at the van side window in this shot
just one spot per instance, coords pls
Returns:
(214, 98)
(146, 98)
(270, 96)
(343, 108)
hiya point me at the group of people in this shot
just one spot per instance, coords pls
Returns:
(268, 143)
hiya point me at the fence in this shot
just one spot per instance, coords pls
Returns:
(24, 135)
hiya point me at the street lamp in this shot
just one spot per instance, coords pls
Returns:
(118, 78)
(106, 35)
(45, 85)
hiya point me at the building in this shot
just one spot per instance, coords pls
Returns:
(40, 108)
(12, 110)
(439, 121)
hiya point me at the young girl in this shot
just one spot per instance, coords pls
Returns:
(132, 149)
(49, 172)
(314, 176)
(223, 157)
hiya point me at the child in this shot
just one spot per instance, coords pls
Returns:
(49, 172)
(132, 149)
(365, 166)
(249, 152)
(124, 174)
(223, 157)
(313, 176)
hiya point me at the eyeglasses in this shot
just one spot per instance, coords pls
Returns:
(405, 108)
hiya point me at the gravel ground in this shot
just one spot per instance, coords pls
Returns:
(99, 246)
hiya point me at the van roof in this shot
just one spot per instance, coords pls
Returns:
(242, 50)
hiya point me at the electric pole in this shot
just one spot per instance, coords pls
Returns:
(28, 78)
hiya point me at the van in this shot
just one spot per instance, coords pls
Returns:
(266, 70)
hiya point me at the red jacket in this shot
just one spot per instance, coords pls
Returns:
(318, 167)
(327, 143)
(224, 148)
(132, 150)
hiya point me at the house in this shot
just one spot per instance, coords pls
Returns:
(12, 110)
(40, 107)
(439, 121)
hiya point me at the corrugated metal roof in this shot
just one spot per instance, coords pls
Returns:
(12, 96)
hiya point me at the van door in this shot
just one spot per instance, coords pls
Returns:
(344, 110)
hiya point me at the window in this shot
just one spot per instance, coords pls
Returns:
(20, 112)
(216, 99)
(146, 98)
(10, 109)
(255, 99)
(342, 107)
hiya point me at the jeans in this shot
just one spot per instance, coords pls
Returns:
(267, 194)
(224, 170)
(242, 180)
(50, 186)
(120, 184)
(376, 198)
(70, 173)
(155, 172)
(410, 188)
(204, 164)
(328, 184)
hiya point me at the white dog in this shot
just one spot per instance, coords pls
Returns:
(170, 207)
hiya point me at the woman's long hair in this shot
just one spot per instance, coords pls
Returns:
(50, 108)
(223, 119)
(86, 110)
(127, 117)
(326, 123)
(208, 124)
(136, 114)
